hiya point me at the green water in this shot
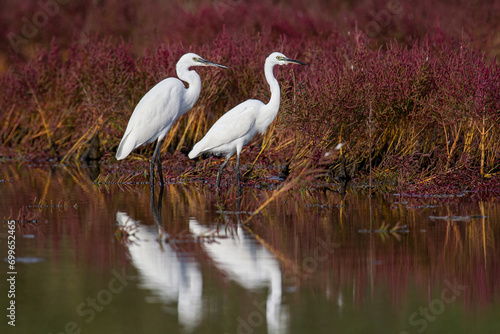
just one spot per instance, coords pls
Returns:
(110, 259)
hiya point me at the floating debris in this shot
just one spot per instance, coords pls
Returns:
(385, 229)
(321, 206)
(461, 194)
(234, 212)
(421, 206)
(457, 218)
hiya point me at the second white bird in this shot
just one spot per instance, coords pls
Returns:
(239, 125)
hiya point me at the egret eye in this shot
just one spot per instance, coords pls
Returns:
(279, 57)
(195, 59)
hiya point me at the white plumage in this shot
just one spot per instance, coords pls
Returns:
(161, 107)
(153, 116)
(239, 125)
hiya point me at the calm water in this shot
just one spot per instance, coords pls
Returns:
(114, 259)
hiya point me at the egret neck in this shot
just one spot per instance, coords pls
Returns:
(194, 85)
(272, 107)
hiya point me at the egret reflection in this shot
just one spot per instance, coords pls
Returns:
(250, 264)
(173, 277)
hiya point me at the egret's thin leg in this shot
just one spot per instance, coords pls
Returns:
(219, 174)
(156, 210)
(160, 169)
(155, 159)
(152, 201)
(238, 170)
(152, 171)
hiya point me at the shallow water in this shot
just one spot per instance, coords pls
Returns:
(111, 259)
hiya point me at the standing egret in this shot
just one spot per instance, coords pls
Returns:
(239, 125)
(160, 108)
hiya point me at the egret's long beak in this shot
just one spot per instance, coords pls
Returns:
(209, 63)
(293, 61)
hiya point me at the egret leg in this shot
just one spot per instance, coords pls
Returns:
(238, 170)
(160, 169)
(219, 174)
(156, 159)
(152, 171)
(239, 185)
(152, 201)
(156, 210)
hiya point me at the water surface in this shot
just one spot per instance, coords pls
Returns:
(115, 258)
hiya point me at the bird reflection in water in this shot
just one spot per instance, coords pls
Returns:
(247, 262)
(176, 277)
(173, 277)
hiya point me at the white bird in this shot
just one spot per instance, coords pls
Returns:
(160, 108)
(239, 125)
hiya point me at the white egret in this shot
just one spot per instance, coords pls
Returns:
(160, 108)
(239, 125)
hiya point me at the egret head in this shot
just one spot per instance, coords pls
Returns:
(192, 59)
(278, 58)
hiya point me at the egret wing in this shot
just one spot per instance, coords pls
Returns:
(153, 116)
(156, 111)
(232, 126)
